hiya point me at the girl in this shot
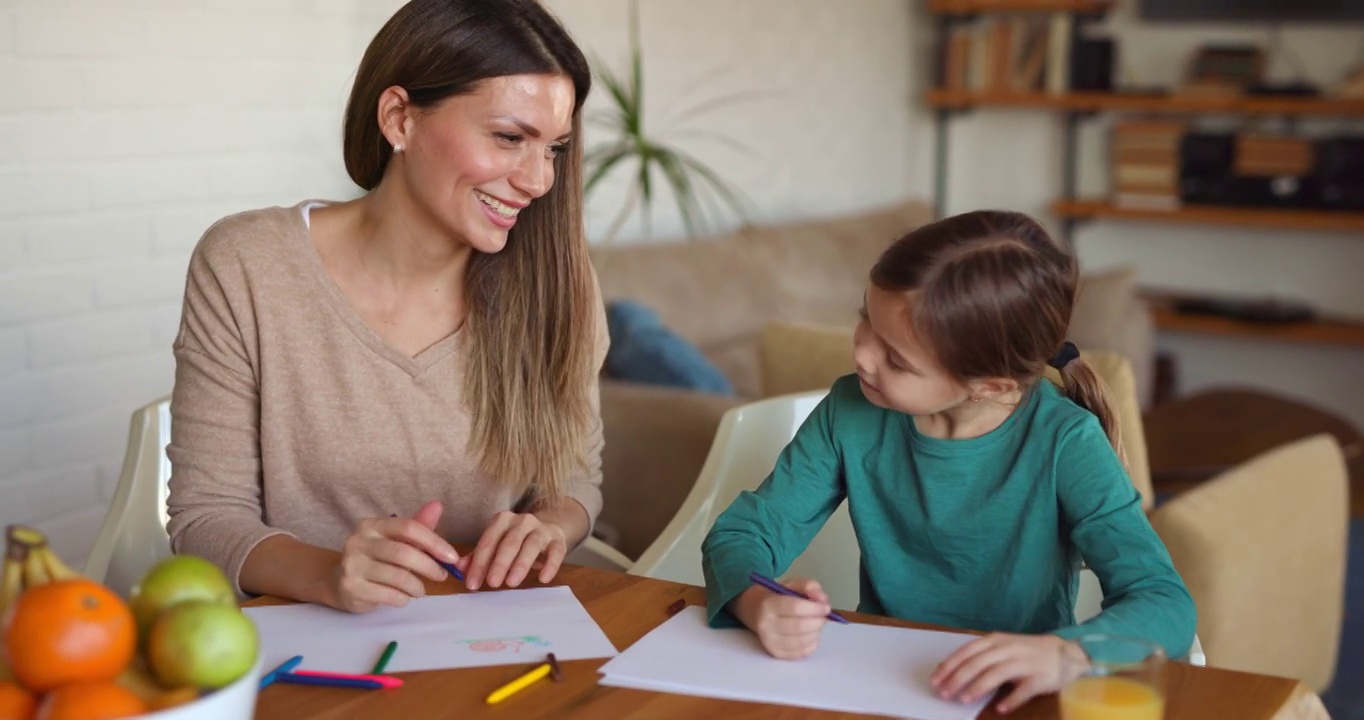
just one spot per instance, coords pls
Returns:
(428, 349)
(974, 488)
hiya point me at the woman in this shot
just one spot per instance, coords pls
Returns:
(360, 384)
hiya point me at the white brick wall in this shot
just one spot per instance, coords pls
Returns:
(123, 134)
(127, 127)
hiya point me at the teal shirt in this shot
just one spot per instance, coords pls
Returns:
(981, 534)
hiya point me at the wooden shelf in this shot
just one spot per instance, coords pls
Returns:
(1134, 102)
(969, 7)
(1323, 331)
(1317, 220)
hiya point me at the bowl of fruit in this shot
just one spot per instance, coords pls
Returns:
(178, 647)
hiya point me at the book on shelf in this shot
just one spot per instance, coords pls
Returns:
(1004, 54)
(1144, 163)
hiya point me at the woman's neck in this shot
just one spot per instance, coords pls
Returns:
(968, 419)
(394, 237)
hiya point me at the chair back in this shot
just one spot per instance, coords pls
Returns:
(747, 444)
(133, 536)
(1262, 548)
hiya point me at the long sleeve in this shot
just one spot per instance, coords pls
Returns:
(215, 501)
(765, 530)
(1143, 594)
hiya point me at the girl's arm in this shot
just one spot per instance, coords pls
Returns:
(764, 530)
(1143, 594)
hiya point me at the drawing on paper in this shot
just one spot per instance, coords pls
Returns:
(514, 644)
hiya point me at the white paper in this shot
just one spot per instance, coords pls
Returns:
(446, 631)
(857, 668)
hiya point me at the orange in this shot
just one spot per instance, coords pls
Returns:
(16, 703)
(67, 632)
(90, 701)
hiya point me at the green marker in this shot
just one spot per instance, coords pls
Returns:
(383, 659)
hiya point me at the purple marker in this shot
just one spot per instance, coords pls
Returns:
(780, 589)
(447, 566)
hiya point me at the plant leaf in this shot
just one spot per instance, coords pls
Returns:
(723, 190)
(684, 192)
(717, 136)
(711, 105)
(600, 161)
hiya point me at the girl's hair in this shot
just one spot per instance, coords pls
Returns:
(993, 295)
(532, 320)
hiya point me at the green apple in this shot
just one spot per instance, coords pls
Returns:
(175, 580)
(202, 644)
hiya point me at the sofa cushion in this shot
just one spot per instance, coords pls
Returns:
(643, 350)
(798, 357)
(719, 292)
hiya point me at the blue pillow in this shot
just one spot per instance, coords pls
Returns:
(643, 350)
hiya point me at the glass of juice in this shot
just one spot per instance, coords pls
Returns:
(1121, 678)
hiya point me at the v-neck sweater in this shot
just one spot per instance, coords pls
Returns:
(292, 416)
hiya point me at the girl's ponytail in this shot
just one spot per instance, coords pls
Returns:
(1084, 388)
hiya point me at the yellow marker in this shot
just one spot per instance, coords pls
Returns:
(540, 671)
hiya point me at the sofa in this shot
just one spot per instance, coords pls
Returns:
(721, 293)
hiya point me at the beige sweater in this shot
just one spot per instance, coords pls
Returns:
(290, 415)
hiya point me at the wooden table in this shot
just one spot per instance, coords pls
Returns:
(628, 607)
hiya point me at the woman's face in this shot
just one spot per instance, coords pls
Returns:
(476, 160)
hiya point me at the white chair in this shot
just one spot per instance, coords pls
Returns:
(133, 537)
(747, 444)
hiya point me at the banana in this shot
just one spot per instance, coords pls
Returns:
(12, 575)
(40, 564)
(56, 568)
(35, 572)
(11, 585)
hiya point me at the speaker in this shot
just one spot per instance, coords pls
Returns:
(1091, 64)
(1340, 173)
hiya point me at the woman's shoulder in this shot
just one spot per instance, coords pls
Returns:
(254, 238)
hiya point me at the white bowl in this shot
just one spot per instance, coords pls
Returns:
(234, 702)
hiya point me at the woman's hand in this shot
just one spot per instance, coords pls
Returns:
(788, 627)
(384, 560)
(511, 546)
(1034, 664)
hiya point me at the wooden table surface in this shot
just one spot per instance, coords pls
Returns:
(627, 607)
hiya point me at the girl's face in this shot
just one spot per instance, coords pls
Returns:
(476, 160)
(896, 371)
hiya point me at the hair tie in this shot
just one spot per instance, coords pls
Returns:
(1063, 356)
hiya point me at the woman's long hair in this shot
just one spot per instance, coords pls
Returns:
(532, 322)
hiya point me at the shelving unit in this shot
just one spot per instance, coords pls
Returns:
(970, 7)
(1073, 107)
(1088, 102)
(1326, 221)
(1322, 331)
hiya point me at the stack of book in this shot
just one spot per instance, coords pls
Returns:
(1145, 163)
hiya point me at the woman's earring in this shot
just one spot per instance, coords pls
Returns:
(397, 148)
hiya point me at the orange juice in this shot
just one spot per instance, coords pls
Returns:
(1111, 698)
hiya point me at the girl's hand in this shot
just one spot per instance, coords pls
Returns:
(788, 627)
(1034, 664)
(510, 547)
(384, 560)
